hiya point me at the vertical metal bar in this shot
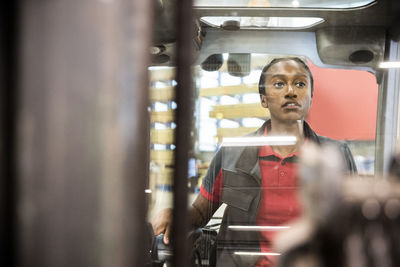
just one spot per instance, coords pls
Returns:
(83, 132)
(388, 100)
(184, 115)
(8, 92)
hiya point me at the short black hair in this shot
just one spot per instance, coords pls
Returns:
(261, 83)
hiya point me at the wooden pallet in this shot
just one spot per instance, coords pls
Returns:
(162, 157)
(162, 116)
(163, 136)
(229, 90)
(163, 94)
(238, 111)
(161, 74)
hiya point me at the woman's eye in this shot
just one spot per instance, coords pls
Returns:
(279, 84)
(300, 84)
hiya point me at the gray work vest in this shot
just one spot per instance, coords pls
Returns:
(242, 194)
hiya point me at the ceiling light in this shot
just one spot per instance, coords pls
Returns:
(389, 65)
(295, 3)
(156, 50)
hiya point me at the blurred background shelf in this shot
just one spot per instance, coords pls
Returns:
(162, 157)
(162, 116)
(238, 111)
(161, 74)
(162, 136)
(163, 94)
(229, 90)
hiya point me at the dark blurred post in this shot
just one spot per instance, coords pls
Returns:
(82, 132)
(184, 116)
(8, 93)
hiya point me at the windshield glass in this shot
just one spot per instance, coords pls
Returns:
(294, 121)
(232, 119)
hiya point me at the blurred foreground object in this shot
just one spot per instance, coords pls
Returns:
(347, 221)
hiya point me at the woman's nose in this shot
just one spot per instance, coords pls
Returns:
(290, 90)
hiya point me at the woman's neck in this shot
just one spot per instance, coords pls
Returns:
(294, 128)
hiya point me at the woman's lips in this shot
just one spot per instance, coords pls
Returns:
(291, 105)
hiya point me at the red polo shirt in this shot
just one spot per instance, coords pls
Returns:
(279, 202)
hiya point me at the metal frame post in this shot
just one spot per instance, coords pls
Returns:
(184, 116)
(82, 132)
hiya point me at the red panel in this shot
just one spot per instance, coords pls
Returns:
(344, 105)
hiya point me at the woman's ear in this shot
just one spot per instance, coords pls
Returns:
(264, 101)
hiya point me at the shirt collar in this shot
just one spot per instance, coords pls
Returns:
(248, 161)
(265, 151)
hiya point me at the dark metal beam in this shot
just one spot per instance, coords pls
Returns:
(184, 116)
(83, 130)
(8, 93)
